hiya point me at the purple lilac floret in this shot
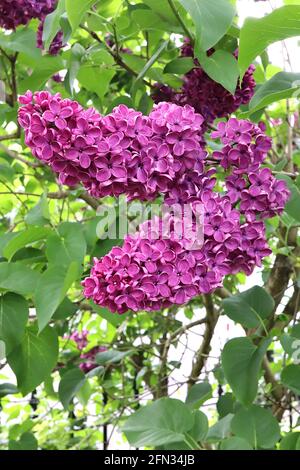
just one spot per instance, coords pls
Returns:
(121, 153)
(57, 78)
(19, 12)
(80, 338)
(207, 97)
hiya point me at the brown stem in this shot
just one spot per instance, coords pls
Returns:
(15, 156)
(203, 352)
(15, 135)
(57, 195)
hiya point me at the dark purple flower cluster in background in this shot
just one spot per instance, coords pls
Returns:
(206, 96)
(163, 153)
(123, 152)
(19, 12)
(87, 358)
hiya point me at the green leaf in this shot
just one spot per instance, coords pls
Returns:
(281, 86)
(84, 393)
(18, 278)
(39, 214)
(46, 67)
(7, 173)
(249, 308)
(22, 40)
(52, 24)
(226, 404)
(112, 318)
(76, 10)
(290, 377)
(70, 384)
(241, 362)
(291, 441)
(180, 66)
(235, 443)
(258, 33)
(165, 13)
(26, 442)
(148, 20)
(97, 372)
(95, 79)
(7, 389)
(14, 313)
(66, 309)
(77, 54)
(2, 350)
(222, 67)
(22, 239)
(291, 344)
(67, 246)
(200, 427)
(51, 290)
(163, 422)
(257, 426)
(111, 357)
(4, 240)
(35, 357)
(220, 430)
(198, 432)
(152, 59)
(198, 394)
(293, 204)
(212, 19)
(65, 27)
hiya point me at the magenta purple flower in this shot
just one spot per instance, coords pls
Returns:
(150, 273)
(122, 153)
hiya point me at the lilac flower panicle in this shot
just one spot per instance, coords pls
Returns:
(122, 153)
(245, 147)
(153, 273)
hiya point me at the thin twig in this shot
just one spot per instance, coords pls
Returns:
(115, 55)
